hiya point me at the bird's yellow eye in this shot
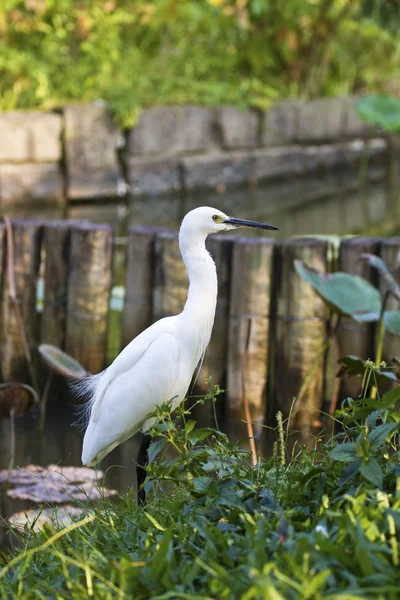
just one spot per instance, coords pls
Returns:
(216, 218)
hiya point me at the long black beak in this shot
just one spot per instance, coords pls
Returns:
(245, 223)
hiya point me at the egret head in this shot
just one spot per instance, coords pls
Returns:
(205, 220)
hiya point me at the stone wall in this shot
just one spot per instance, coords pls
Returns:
(77, 153)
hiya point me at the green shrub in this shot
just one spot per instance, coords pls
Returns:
(137, 54)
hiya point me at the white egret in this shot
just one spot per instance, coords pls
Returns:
(158, 365)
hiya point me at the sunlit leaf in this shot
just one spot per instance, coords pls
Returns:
(346, 294)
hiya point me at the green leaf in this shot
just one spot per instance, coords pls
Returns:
(155, 448)
(346, 294)
(372, 471)
(380, 110)
(377, 436)
(391, 319)
(201, 484)
(391, 398)
(159, 560)
(153, 521)
(352, 366)
(345, 452)
(350, 471)
(379, 265)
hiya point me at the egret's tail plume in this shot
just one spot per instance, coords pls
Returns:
(85, 390)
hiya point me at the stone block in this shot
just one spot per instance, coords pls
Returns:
(275, 163)
(172, 130)
(279, 124)
(321, 120)
(151, 176)
(216, 171)
(238, 128)
(29, 184)
(91, 141)
(30, 137)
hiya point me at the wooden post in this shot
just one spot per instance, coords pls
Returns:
(2, 256)
(56, 244)
(171, 278)
(356, 338)
(26, 249)
(215, 360)
(249, 331)
(390, 254)
(139, 281)
(89, 288)
(300, 327)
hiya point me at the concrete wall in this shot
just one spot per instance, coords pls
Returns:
(78, 154)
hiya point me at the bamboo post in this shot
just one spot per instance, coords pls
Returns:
(300, 328)
(215, 360)
(25, 265)
(140, 259)
(89, 288)
(2, 256)
(171, 279)
(356, 338)
(249, 331)
(390, 254)
(56, 244)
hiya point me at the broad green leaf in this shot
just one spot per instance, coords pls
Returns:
(345, 452)
(378, 264)
(372, 471)
(352, 366)
(155, 448)
(201, 484)
(391, 398)
(378, 435)
(346, 294)
(380, 110)
(391, 319)
(350, 471)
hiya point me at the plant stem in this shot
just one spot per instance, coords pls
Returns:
(12, 443)
(250, 430)
(381, 335)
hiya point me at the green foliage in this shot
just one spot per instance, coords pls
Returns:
(137, 54)
(323, 525)
(345, 294)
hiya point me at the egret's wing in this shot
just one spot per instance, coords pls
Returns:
(130, 397)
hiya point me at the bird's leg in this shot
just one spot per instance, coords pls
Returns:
(141, 464)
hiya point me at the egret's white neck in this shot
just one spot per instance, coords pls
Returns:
(203, 286)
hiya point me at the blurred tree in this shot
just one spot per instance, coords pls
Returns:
(136, 53)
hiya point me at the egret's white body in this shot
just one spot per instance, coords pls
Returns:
(158, 365)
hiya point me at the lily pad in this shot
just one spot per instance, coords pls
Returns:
(354, 366)
(61, 362)
(17, 397)
(346, 294)
(380, 110)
